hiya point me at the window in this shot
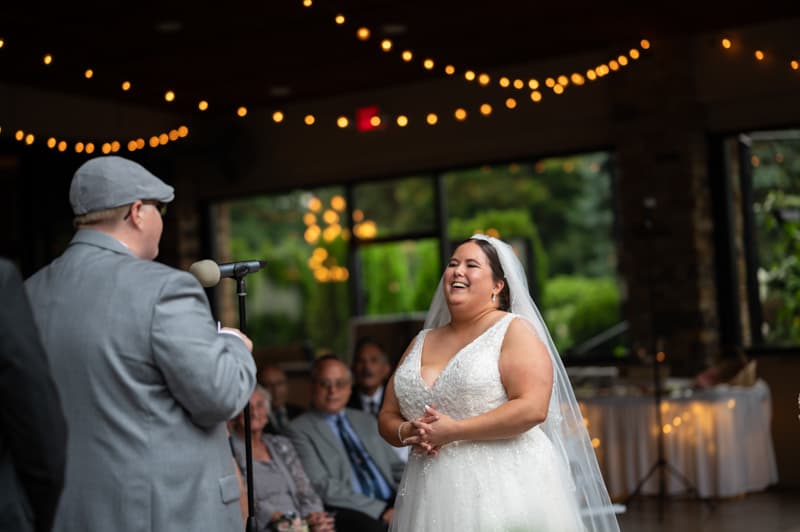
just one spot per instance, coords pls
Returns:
(765, 182)
(301, 299)
(373, 250)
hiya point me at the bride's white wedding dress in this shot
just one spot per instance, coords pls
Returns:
(519, 484)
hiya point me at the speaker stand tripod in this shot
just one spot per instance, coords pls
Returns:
(661, 465)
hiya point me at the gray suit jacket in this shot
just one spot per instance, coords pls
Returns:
(147, 384)
(327, 465)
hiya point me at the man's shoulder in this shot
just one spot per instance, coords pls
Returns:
(360, 416)
(306, 420)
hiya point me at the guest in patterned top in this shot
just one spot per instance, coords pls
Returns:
(281, 487)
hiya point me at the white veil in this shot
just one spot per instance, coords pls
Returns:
(564, 425)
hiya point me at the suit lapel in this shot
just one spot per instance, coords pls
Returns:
(326, 433)
(365, 435)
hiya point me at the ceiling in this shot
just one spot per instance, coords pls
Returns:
(272, 52)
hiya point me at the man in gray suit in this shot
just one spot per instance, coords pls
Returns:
(146, 379)
(351, 467)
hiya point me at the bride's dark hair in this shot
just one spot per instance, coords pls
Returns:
(504, 297)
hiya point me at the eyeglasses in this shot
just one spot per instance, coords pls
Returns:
(161, 207)
(338, 384)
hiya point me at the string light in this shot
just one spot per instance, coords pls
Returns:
(484, 79)
(761, 55)
(460, 114)
(29, 138)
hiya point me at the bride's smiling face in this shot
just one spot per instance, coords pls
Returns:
(468, 277)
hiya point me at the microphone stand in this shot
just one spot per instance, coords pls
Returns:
(251, 525)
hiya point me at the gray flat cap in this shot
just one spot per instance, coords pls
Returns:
(110, 181)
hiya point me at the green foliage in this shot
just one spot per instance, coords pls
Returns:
(779, 276)
(386, 280)
(776, 208)
(400, 277)
(597, 311)
(577, 308)
(285, 303)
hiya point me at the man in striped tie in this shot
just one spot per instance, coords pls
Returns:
(351, 467)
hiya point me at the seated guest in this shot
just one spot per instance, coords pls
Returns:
(274, 380)
(349, 464)
(281, 488)
(371, 368)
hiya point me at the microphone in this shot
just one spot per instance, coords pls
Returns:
(209, 272)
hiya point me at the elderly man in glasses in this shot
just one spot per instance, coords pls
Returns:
(146, 379)
(351, 467)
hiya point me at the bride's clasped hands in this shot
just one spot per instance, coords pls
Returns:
(431, 431)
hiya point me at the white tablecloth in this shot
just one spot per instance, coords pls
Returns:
(719, 439)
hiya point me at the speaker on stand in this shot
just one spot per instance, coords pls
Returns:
(662, 467)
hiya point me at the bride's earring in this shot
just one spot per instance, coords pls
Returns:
(494, 296)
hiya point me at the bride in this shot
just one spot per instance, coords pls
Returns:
(482, 396)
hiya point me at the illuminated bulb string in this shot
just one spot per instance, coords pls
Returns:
(105, 147)
(363, 33)
(760, 54)
(557, 84)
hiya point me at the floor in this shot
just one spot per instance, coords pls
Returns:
(770, 511)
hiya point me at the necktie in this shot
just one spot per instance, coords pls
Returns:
(358, 460)
(373, 407)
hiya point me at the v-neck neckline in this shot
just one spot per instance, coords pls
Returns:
(452, 358)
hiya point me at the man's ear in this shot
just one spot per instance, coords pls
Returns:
(135, 213)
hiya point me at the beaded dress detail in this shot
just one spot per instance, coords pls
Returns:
(519, 484)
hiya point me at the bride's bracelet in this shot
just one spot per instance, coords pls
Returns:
(400, 432)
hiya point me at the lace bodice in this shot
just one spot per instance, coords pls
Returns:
(469, 384)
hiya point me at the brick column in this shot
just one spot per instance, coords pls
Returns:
(662, 160)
